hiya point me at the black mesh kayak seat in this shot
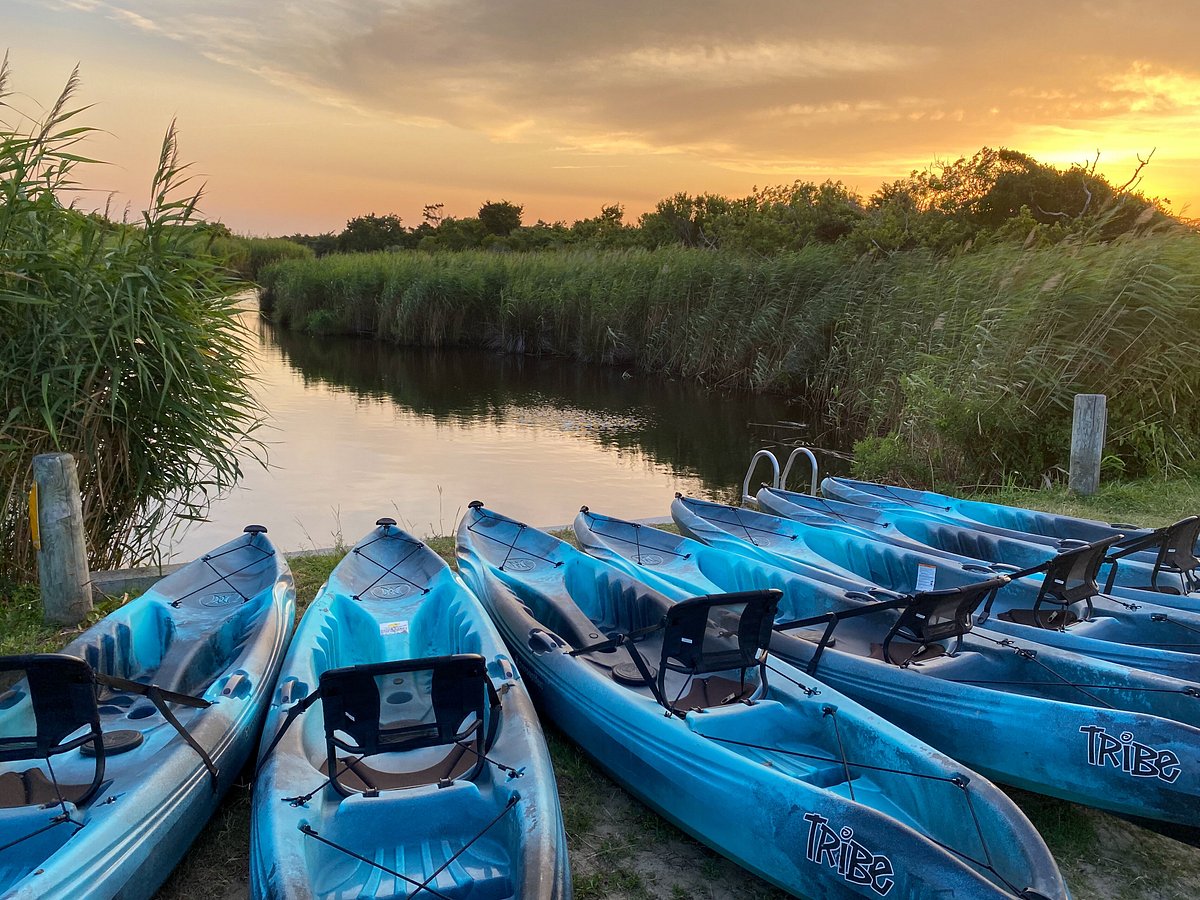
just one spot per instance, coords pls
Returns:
(702, 636)
(62, 692)
(930, 618)
(1069, 578)
(408, 705)
(927, 620)
(718, 633)
(1176, 546)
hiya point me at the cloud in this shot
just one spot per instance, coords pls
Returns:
(773, 84)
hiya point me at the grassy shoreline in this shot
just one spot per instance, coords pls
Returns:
(961, 366)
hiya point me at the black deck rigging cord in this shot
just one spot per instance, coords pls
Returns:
(521, 527)
(637, 542)
(830, 713)
(1032, 655)
(960, 782)
(416, 546)
(308, 831)
(225, 576)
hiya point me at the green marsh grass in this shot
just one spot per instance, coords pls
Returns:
(119, 343)
(722, 318)
(964, 365)
(248, 256)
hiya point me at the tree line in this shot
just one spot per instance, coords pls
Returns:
(997, 195)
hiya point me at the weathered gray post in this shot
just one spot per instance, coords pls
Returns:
(62, 558)
(1087, 442)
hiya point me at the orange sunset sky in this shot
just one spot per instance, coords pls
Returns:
(301, 114)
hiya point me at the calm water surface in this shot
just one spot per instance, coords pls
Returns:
(360, 429)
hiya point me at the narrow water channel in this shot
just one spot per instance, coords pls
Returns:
(360, 429)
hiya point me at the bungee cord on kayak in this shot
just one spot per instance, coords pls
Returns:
(308, 831)
(593, 518)
(226, 578)
(387, 535)
(480, 514)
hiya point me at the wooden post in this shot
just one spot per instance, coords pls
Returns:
(1087, 442)
(62, 557)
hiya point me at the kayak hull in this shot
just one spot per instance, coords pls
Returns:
(1010, 717)
(1011, 533)
(492, 835)
(1156, 639)
(758, 806)
(195, 633)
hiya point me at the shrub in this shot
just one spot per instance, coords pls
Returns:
(120, 344)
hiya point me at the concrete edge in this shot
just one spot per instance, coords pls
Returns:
(137, 581)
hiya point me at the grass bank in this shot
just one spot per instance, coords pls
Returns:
(961, 365)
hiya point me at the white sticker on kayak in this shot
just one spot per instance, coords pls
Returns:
(393, 627)
(1130, 756)
(836, 848)
(926, 576)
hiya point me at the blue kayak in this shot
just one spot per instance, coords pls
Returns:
(1068, 614)
(1148, 561)
(1002, 550)
(976, 699)
(401, 756)
(681, 704)
(115, 752)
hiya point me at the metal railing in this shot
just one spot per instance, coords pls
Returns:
(779, 480)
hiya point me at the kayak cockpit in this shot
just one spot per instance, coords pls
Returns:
(426, 841)
(405, 777)
(413, 743)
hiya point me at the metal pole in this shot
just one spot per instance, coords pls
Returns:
(1087, 442)
(62, 556)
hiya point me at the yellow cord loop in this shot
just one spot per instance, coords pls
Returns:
(34, 526)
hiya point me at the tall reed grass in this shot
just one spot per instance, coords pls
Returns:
(969, 364)
(961, 367)
(719, 317)
(248, 256)
(119, 343)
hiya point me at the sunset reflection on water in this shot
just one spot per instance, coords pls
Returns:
(360, 430)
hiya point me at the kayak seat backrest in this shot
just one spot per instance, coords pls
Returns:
(1070, 578)
(717, 633)
(1176, 554)
(932, 617)
(62, 693)
(402, 706)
